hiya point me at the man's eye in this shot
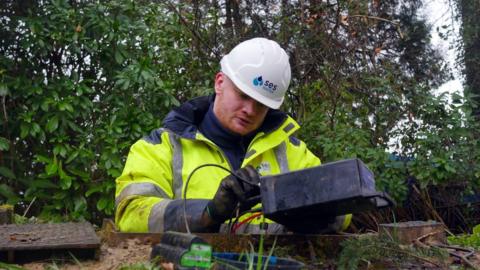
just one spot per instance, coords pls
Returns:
(242, 95)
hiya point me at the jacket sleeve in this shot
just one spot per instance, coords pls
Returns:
(144, 199)
(299, 156)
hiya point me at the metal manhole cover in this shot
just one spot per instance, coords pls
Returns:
(15, 239)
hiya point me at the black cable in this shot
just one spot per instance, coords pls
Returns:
(237, 214)
(188, 181)
(186, 186)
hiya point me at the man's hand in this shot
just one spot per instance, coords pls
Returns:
(239, 187)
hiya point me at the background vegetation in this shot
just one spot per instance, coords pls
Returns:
(80, 81)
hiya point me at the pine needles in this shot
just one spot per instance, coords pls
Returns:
(380, 250)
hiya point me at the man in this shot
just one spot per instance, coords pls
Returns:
(239, 128)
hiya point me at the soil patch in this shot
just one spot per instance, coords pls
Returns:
(129, 252)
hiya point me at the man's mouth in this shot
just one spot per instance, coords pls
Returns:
(244, 122)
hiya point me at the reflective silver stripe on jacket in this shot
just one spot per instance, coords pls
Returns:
(289, 127)
(250, 153)
(177, 165)
(156, 218)
(141, 189)
(281, 156)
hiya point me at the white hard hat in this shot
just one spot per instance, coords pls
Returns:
(259, 67)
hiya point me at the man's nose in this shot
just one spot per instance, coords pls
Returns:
(251, 106)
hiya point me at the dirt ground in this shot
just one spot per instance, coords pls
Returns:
(134, 251)
(127, 253)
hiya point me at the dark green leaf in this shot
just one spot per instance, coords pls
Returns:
(4, 144)
(60, 195)
(43, 183)
(119, 57)
(94, 189)
(65, 180)
(69, 107)
(102, 203)
(45, 106)
(52, 124)
(80, 204)
(82, 174)
(43, 159)
(24, 130)
(71, 157)
(6, 172)
(3, 90)
(51, 169)
(7, 192)
(35, 129)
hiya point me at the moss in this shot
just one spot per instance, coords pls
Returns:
(6, 207)
(6, 214)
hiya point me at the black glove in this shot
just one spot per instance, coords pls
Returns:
(240, 187)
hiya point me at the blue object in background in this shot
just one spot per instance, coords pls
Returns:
(225, 260)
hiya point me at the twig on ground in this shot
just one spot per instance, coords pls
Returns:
(29, 205)
(464, 258)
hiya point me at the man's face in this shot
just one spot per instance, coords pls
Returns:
(235, 110)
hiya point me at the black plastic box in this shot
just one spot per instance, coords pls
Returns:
(314, 196)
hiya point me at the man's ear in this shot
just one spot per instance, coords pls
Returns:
(219, 81)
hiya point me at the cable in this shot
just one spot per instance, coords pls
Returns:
(238, 225)
(232, 225)
(186, 186)
(188, 181)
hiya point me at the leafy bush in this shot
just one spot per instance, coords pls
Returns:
(430, 138)
(467, 240)
(80, 83)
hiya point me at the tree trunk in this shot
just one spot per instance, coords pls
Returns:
(470, 11)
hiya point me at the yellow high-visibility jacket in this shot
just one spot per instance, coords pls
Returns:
(150, 192)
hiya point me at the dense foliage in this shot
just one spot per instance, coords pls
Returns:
(80, 81)
(467, 240)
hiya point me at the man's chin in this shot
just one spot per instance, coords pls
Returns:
(241, 130)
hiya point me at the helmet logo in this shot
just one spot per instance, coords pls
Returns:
(258, 81)
(267, 85)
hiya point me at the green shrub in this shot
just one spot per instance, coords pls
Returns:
(80, 83)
